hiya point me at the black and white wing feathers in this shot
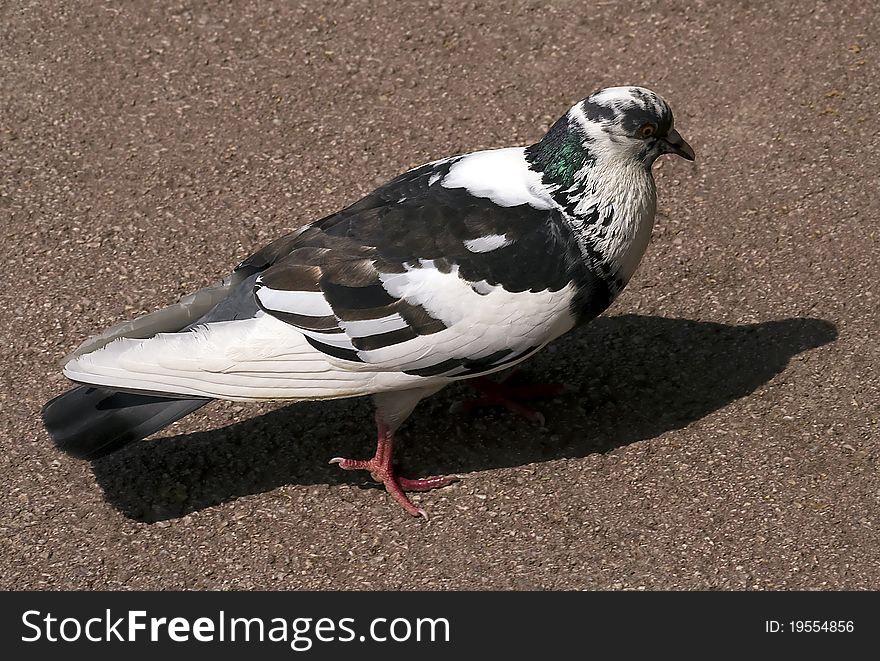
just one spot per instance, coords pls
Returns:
(428, 279)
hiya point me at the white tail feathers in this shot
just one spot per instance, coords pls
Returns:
(253, 359)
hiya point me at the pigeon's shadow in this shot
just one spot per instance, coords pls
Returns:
(636, 377)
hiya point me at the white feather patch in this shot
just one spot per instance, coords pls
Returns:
(503, 176)
(308, 303)
(478, 324)
(369, 327)
(487, 243)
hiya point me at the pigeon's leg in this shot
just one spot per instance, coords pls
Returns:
(382, 470)
(502, 394)
(391, 410)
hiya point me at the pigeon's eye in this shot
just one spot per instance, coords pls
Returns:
(646, 130)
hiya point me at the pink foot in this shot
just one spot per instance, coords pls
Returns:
(509, 397)
(382, 470)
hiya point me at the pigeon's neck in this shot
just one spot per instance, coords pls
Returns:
(609, 199)
(561, 157)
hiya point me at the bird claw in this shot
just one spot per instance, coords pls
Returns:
(510, 397)
(382, 471)
(457, 408)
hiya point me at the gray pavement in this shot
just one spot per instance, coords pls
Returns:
(725, 430)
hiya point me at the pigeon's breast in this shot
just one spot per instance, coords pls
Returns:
(613, 221)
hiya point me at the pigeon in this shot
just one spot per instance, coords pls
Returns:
(454, 270)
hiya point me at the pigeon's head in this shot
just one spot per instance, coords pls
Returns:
(630, 122)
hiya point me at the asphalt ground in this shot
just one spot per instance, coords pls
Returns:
(724, 430)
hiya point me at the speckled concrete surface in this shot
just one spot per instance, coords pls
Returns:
(724, 432)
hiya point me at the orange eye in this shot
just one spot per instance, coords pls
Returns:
(646, 130)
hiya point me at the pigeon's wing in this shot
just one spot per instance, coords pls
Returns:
(454, 269)
(431, 278)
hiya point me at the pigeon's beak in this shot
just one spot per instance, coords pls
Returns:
(675, 144)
